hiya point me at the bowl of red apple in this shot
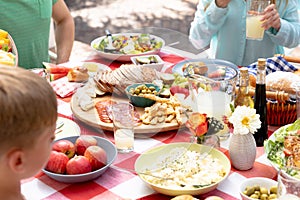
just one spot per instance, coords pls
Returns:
(79, 158)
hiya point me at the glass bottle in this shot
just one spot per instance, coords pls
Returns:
(243, 97)
(260, 102)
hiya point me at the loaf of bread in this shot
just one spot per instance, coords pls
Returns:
(78, 74)
(184, 197)
(282, 81)
(252, 80)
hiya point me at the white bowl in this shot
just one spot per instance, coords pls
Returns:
(158, 65)
(111, 153)
(260, 181)
(124, 57)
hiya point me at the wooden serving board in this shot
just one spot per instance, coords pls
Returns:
(91, 117)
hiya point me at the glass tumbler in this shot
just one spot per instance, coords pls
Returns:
(123, 121)
(254, 31)
(288, 185)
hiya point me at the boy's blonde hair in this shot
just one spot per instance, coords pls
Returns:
(27, 105)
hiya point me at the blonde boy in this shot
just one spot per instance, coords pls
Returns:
(28, 113)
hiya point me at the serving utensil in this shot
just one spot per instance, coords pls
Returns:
(109, 47)
(150, 172)
(59, 125)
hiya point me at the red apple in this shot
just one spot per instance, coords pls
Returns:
(78, 165)
(83, 142)
(97, 156)
(65, 146)
(57, 162)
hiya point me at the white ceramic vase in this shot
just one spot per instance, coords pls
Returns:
(242, 151)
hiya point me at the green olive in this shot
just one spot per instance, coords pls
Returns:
(264, 190)
(254, 196)
(273, 196)
(264, 197)
(152, 88)
(257, 193)
(250, 191)
(257, 187)
(273, 190)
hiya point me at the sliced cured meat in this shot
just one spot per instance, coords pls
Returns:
(102, 110)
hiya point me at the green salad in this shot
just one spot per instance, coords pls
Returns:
(274, 146)
(131, 44)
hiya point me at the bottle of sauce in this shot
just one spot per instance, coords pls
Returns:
(243, 98)
(260, 102)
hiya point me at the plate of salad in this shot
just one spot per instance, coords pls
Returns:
(283, 148)
(128, 45)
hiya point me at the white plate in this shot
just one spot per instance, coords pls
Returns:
(124, 57)
(70, 128)
(279, 152)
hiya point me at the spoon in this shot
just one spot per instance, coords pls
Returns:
(149, 173)
(109, 47)
(142, 173)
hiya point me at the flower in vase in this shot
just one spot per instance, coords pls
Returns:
(244, 120)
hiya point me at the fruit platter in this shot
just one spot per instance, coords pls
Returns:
(127, 45)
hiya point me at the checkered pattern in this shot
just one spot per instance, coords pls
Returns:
(64, 88)
(117, 184)
(277, 63)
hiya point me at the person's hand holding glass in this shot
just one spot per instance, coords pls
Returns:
(261, 15)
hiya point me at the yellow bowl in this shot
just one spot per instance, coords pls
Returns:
(146, 160)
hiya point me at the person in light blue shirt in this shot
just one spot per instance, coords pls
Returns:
(222, 25)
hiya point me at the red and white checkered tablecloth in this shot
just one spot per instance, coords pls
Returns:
(117, 184)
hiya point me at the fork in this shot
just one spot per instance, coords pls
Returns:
(109, 47)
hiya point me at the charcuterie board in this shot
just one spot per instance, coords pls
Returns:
(91, 117)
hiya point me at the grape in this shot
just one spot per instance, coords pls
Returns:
(214, 125)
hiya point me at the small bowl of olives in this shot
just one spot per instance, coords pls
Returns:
(258, 188)
(135, 91)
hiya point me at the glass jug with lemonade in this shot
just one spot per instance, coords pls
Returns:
(213, 91)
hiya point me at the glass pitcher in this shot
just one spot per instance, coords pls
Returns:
(212, 89)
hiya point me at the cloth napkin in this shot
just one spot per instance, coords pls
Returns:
(64, 88)
(277, 63)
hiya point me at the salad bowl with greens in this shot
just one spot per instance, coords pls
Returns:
(127, 45)
(283, 148)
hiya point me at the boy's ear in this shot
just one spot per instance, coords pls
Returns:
(16, 160)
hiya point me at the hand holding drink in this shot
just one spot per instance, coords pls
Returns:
(255, 11)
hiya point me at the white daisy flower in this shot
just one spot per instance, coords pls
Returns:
(244, 120)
